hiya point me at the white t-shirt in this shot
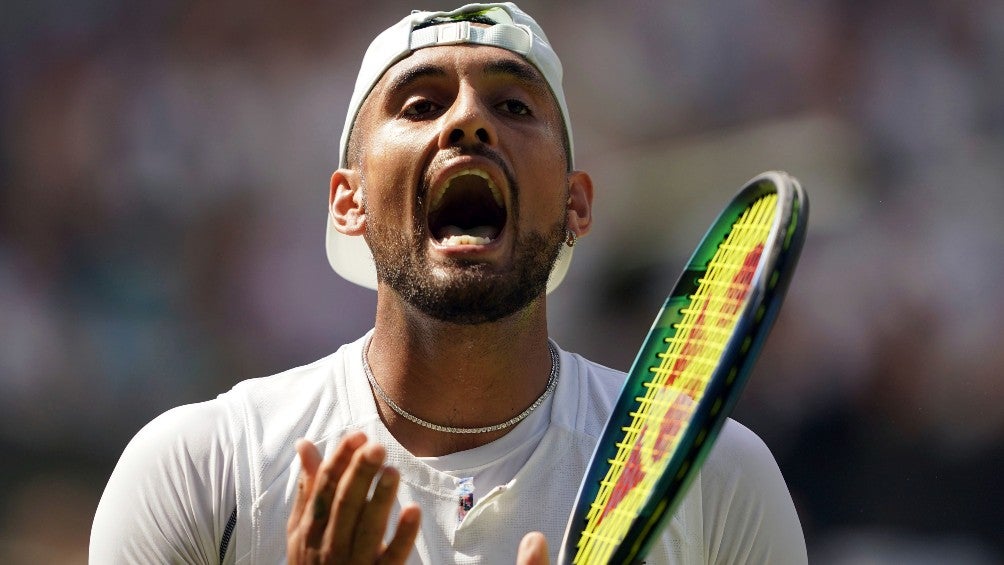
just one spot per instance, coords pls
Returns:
(178, 482)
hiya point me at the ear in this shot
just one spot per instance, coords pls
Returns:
(345, 203)
(580, 202)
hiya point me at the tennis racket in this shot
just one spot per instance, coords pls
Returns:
(689, 373)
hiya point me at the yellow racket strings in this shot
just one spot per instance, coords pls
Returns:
(677, 384)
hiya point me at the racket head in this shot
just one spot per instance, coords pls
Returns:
(688, 374)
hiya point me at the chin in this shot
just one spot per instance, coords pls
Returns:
(474, 296)
(469, 292)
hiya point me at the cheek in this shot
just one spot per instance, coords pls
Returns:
(541, 151)
(390, 168)
(541, 170)
(542, 200)
(388, 145)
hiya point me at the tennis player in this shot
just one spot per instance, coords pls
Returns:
(455, 431)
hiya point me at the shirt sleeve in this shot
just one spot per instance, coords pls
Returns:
(171, 493)
(749, 516)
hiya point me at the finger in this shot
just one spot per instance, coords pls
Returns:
(532, 550)
(322, 492)
(372, 523)
(350, 497)
(310, 460)
(399, 548)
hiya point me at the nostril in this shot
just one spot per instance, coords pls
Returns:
(456, 135)
(482, 135)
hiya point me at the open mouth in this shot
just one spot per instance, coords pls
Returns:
(467, 210)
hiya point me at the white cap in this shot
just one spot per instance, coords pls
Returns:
(513, 30)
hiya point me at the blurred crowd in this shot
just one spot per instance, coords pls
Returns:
(163, 182)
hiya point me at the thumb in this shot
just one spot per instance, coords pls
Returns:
(533, 550)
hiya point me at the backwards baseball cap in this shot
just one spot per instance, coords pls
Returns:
(511, 29)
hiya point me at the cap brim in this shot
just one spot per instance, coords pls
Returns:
(351, 258)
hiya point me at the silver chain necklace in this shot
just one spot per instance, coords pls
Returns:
(552, 383)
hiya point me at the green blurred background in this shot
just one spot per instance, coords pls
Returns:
(163, 182)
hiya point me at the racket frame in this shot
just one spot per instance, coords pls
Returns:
(728, 379)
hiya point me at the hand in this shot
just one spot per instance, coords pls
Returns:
(333, 521)
(532, 550)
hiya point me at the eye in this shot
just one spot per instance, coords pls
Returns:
(419, 108)
(513, 106)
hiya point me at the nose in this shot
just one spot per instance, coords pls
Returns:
(467, 122)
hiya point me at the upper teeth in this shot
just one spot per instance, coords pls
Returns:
(437, 198)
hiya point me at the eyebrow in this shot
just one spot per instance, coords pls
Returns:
(414, 74)
(518, 70)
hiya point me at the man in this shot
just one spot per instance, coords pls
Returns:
(455, 431)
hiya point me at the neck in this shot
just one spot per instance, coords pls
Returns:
(457, 375)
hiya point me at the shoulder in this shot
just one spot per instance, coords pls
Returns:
(181, 435)
(749, 515)
(292, 399)
(169, 491)
(297, 384)
(586, 394)
(604, 381)
(174, 486)
(599, 380)
(740, 453)
(215, 425)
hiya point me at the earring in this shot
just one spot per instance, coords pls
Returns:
(570, 240)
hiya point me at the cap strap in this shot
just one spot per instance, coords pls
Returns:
(514, 38)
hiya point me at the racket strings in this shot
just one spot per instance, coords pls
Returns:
(677, 383)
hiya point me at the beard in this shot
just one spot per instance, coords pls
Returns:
(463, 291)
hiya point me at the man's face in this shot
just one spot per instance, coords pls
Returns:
(463, 168)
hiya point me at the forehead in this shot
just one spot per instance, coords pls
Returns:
(472, 62)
